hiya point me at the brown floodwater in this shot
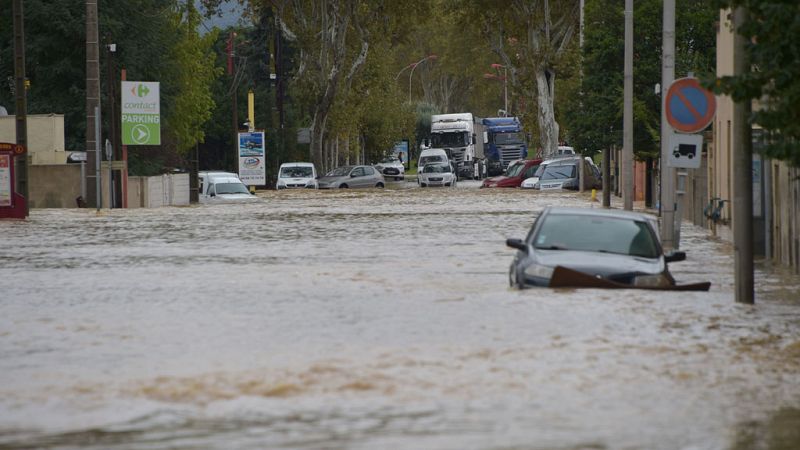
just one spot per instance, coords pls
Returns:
(374, 319)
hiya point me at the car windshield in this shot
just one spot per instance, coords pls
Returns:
(339, 172)
(231, 188)
(458, 139)
(515, 169)
(560, 172)
(509, 138)
(596, 234)
(539, 170)
(436, 168)
(431, 159)
(297, 172)
(390, 160)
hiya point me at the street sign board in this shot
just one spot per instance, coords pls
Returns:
(12, 204)
(689, 106)
(685, 150)
(141, 113)
(252, 159)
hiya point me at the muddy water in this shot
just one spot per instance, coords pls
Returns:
(374, 319)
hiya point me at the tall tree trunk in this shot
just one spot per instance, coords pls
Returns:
(548, 127)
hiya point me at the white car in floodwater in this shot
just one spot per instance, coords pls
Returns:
(219, 187)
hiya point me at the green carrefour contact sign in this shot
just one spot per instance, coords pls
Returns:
(141, 113)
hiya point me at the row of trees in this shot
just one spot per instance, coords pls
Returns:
(363, 74)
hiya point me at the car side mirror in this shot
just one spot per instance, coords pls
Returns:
(675, 256)
(517, 244)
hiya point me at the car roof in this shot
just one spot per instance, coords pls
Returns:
(597, 212)
(297, 164)
(570, 159)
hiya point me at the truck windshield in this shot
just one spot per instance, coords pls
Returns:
(457, 139)
(509, 138)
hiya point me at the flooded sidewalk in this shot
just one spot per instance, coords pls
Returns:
(373, 319)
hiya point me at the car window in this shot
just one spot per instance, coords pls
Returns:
(561, 172)
(531, 171)
(430, 159)
(514, 169)
(339, 172)
(231, 188)
(368, 170)
(596, 234)
(297, 172)
(357, 172)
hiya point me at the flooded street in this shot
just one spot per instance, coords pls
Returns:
(373, 319)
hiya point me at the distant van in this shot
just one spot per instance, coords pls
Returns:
(294, 175)
(431, 155)
(218, 186)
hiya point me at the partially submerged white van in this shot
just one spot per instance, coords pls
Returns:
(222, 186)
(295, 175)
(431, 155)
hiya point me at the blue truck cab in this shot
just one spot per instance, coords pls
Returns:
(506, 142)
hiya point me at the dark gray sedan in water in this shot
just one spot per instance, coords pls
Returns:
(592, 248)
(352, 177)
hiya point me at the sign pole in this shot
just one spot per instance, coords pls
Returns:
(98, 189)
(21, 113)
(742, 175)
(667, 201)
(627, 132)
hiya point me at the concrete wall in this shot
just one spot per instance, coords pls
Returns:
(154, 192)
(45, 137)
(54, 186)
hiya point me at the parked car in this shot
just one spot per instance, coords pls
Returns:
(437, 174)
(516, 172)
(218, 186)
(297, 175)
(618, 247)
(391, 167)
(563, 173)
(352, 177)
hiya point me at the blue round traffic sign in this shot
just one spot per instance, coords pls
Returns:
(689, 107)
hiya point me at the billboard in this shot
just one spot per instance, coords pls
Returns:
(252, 158)
(141, 113)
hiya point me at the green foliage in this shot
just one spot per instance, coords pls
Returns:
(594, 115)
(771, 29)
(155, 42)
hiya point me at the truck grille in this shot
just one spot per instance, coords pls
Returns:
(457, 155)
(509, 154)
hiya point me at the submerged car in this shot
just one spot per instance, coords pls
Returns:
(222, 187)
(352, 177)
(596, 247)
(516, 172)
(391, 167)
(563, 173)
(297, 175)
(437, 174)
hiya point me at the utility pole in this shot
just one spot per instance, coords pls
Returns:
(21, 105)
(627, 145)
(667, 173)
(112, 100)
(92, 99)
(279, 87)
(607, 177)
(235, 92)
(742, 173)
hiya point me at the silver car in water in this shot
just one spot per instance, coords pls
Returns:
(345, 177)
(620, 247)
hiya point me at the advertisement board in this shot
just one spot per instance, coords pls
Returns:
(141, 113)
(252, 158)
(5, 179)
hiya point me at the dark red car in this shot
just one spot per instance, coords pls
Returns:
(516, 173)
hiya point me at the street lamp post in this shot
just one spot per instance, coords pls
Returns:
(413, 66)
(504, 79)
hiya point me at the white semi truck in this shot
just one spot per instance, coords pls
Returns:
(461, 136)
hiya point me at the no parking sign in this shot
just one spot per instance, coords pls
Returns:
(689, 106)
